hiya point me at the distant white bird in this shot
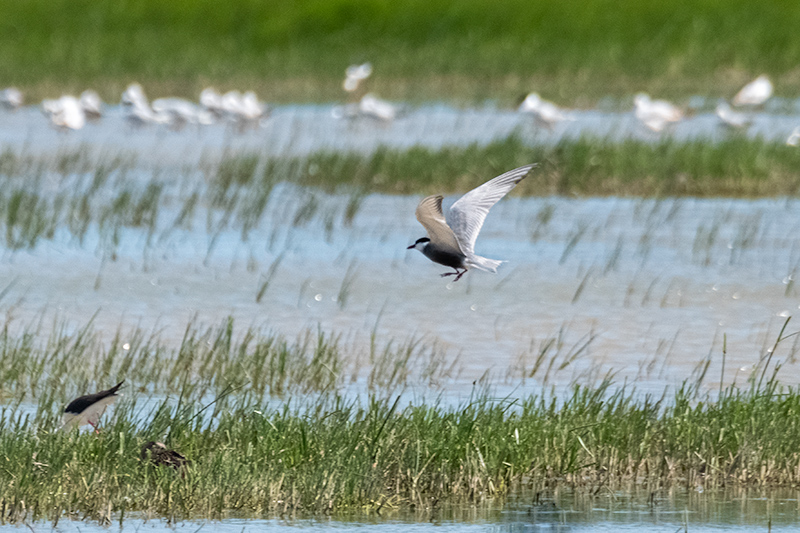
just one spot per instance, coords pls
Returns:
(142, 115)
(754, 93)
(244, 109)
(355, 74)
(546, 113)
(89, 408)
(794, 138)
(92, 104)
(251, 108)
(211, 100)
(138, 110)
(134, 95)
(451, 241)
(11, 98)
(373, 107)
(181, 112)
(732, 118)
(65, 113)
(656, 114)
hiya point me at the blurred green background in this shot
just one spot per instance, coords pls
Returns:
(576, 51)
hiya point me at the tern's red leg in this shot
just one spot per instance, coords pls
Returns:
(97, 431)
(457, 274)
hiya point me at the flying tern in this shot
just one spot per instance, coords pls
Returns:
(451, 241)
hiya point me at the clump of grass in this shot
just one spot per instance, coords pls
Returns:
(339, 456)
(211, 358)
(329, 454)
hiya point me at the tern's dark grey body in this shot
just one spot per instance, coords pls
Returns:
(444, 257)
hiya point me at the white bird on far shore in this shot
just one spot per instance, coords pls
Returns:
(65, 113)
(355, 74)
(754, 93)
(656, 114)
(181, 112)
(133, 96)
(546, 113)
(373, 107)
(11, 98)
(244, 109)
(92, 104)
(732, 118)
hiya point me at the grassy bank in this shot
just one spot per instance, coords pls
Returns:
(573, 51)
(256, 452)
(85, 194)
(336, 456)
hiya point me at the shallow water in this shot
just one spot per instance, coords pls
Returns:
(303, 129)
(560, 512)
(654, 285)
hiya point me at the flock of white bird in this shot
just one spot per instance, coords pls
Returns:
(657, 115)
(245, 110)
(72, 113)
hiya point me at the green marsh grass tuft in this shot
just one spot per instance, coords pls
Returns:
(328, 454)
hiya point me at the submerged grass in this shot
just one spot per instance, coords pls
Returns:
(85, 195)
(33, 362)
(434, 48)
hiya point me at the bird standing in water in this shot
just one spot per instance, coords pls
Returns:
(89, 408)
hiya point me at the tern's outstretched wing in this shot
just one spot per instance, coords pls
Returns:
(429, 213)
(466, 216)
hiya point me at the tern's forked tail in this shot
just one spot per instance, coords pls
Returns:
(483, 263)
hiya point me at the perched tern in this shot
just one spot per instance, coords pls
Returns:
(546, 113)
(732, 118)
(354, 75)
(92, 104)
(88, 409)
(373, 107)
(211, 101)
(656, 114)
(134, 96)
(451, 241)
(65, 113)
(181, 112)
(754, 93)
(244, 109)
(11, 98)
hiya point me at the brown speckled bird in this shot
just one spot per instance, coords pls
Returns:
(160, 455)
